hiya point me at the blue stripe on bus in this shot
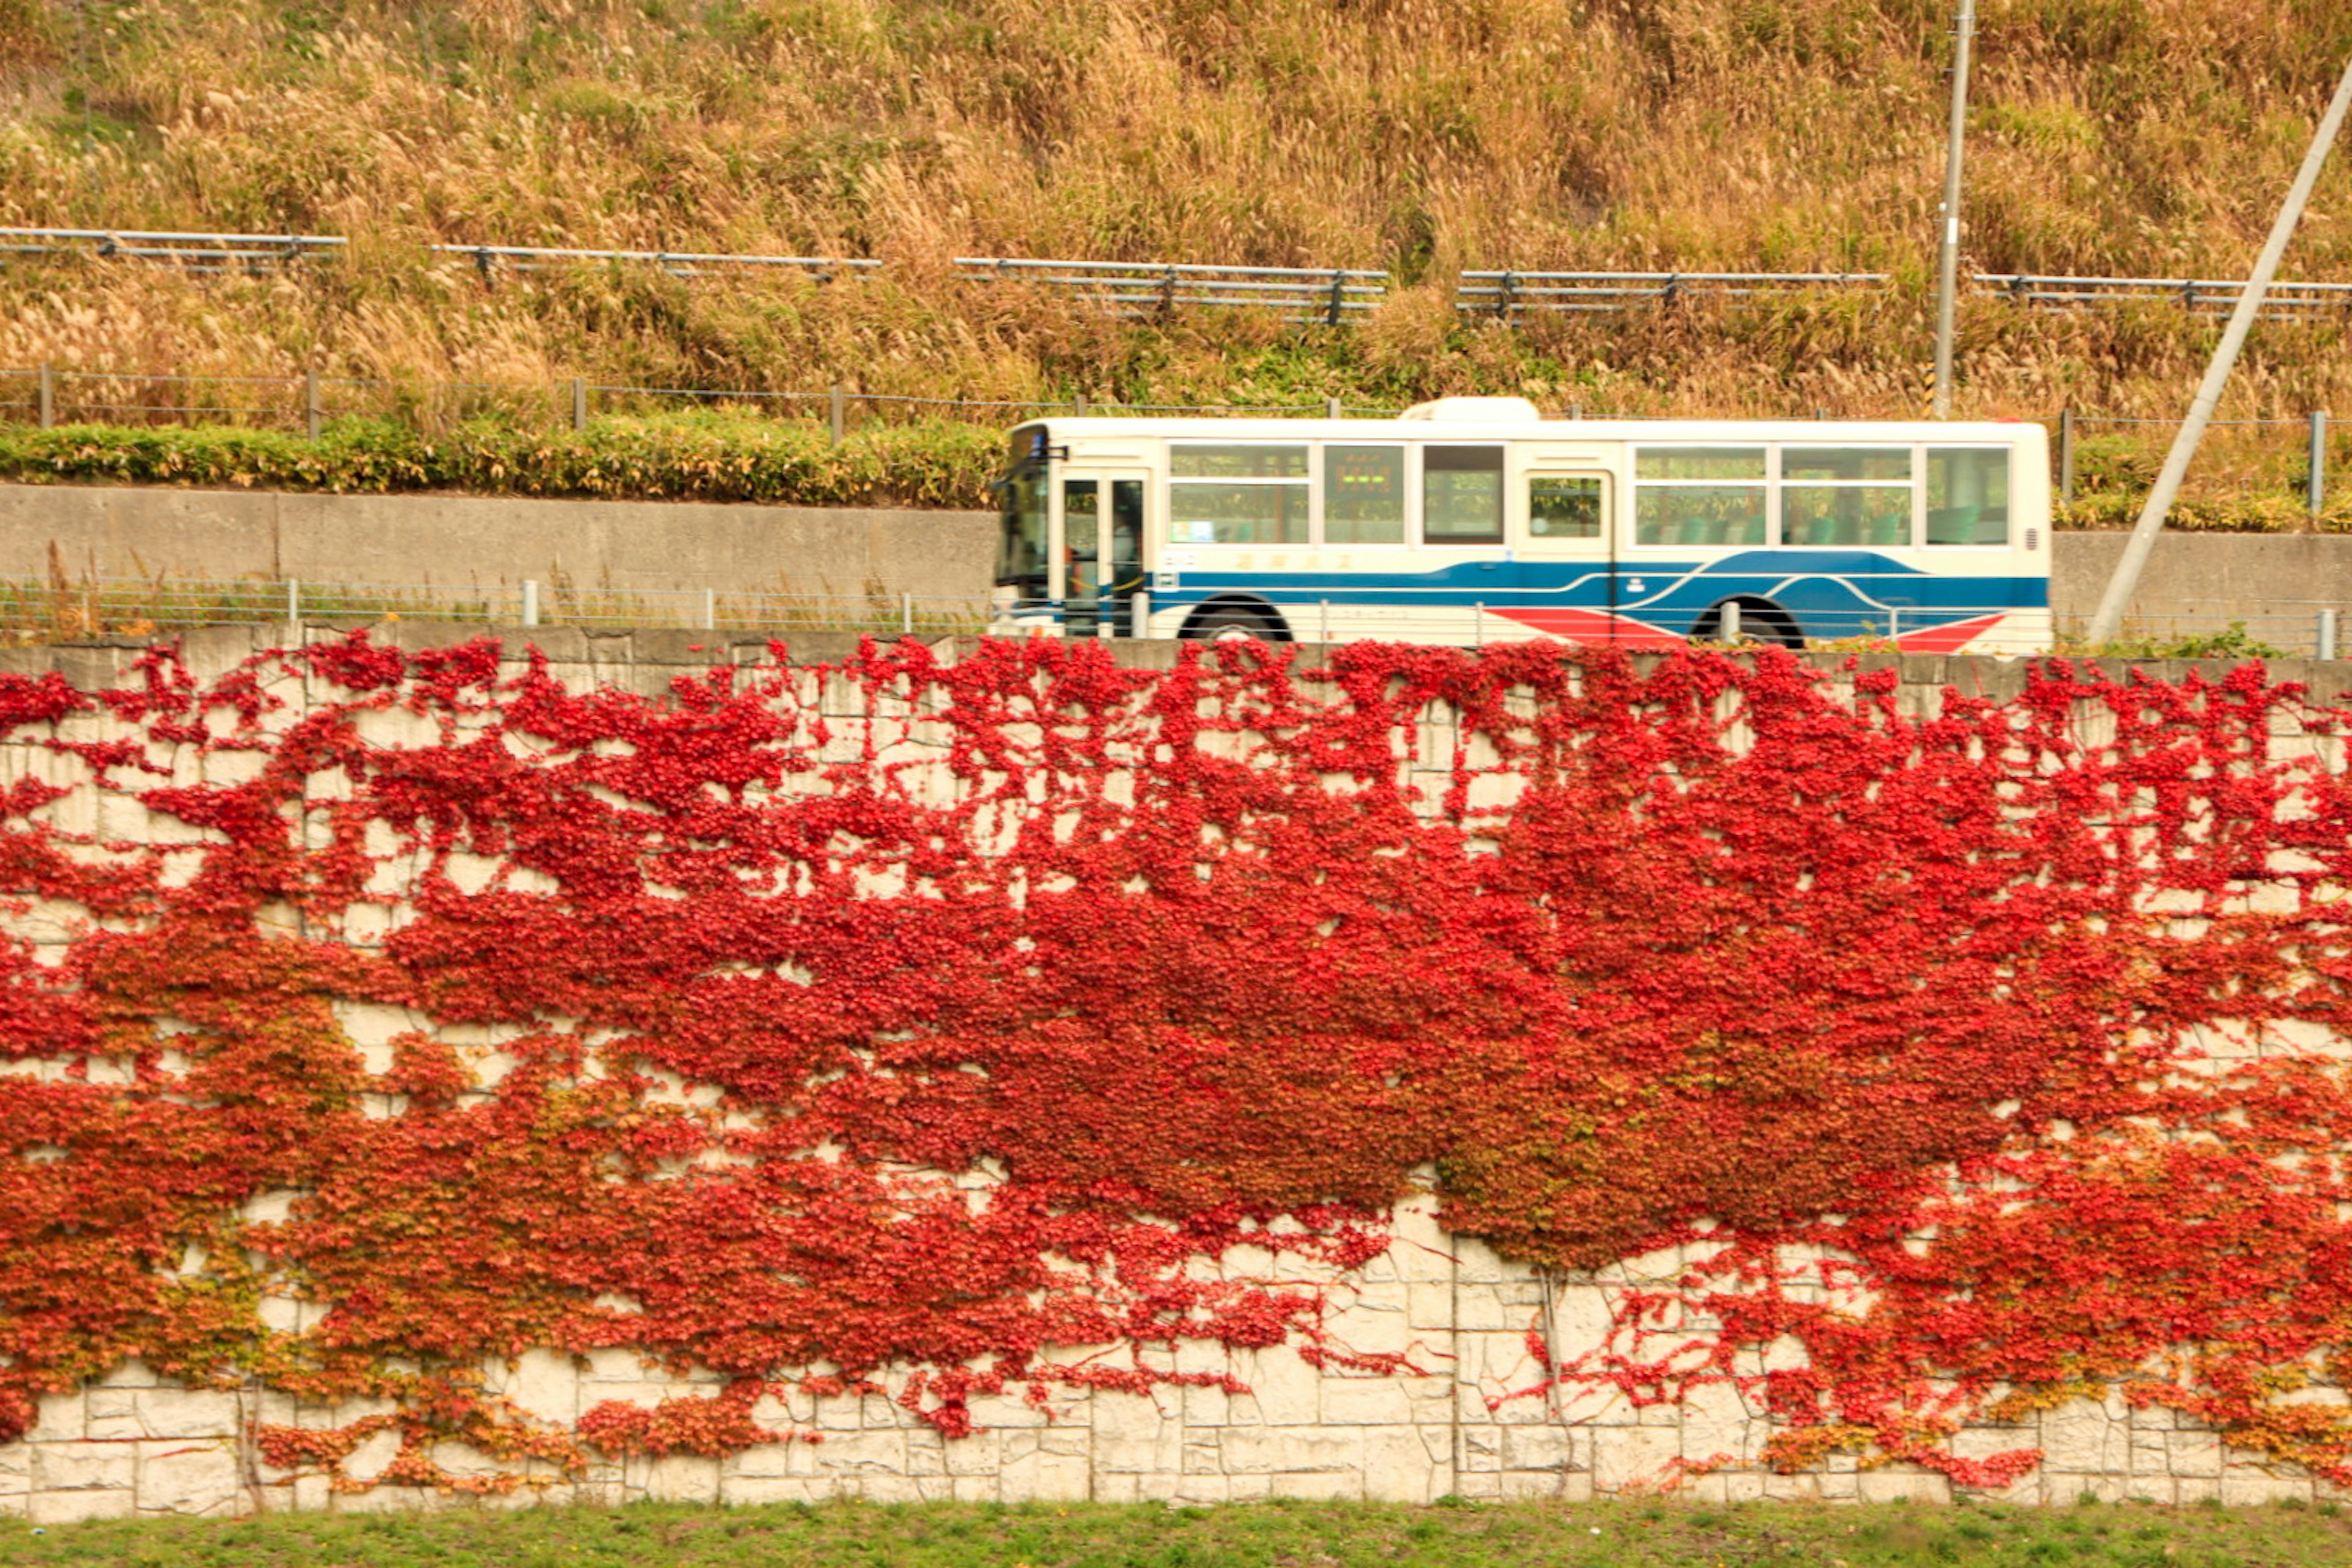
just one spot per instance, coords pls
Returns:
(1835, 591)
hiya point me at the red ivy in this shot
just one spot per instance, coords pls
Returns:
(742, 1043)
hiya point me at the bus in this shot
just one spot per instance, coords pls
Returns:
(1475, 520)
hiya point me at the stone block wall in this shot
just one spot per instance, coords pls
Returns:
(1470, 1418)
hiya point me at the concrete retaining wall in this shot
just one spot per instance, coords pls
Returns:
(2194, 581)
(467, 540)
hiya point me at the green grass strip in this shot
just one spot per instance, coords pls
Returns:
(1278, 1534)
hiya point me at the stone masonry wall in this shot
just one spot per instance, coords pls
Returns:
(133, 1444)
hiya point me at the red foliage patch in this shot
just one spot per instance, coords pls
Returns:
(761, 1050)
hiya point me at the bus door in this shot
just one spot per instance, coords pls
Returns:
(1102, 550)
(1568, 556)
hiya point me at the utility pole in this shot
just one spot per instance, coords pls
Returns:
(1948, 262)
(2110, 614)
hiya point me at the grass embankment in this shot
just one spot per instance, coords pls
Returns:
(2148, 138)
(1292, 1535)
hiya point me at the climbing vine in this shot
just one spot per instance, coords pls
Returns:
(924, 1028)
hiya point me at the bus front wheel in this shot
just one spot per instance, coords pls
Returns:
(1233, 623)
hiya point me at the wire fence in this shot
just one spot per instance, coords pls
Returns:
(107, 607)
(63, 610)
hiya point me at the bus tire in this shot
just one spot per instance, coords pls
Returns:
(1219, 623)
(1761, 620)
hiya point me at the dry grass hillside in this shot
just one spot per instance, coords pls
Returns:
(1422, 136)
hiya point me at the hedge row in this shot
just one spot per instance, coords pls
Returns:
(693, 459)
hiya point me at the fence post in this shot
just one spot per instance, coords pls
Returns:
(48, 396)
(1478, 625)
(310, 418)
(838, 413)
(1079, 404)
(906, 613)
(1333, 409)
(2318, 461)
(2327, 635)
(1339, 289)
(578, 403)
(710, 609)
(1729, 630)
(2066, 455)
(1138, 613)
(529, 602)
(293, 602)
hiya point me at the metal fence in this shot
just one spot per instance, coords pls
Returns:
(138, 607)
(195, 252)
(2216, 295)
(1505, 296)
(100, 607)
(1151, 289)
(490, 261)
(1156, 288)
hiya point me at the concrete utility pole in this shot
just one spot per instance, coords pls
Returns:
(1947, 261)
(2109, 616)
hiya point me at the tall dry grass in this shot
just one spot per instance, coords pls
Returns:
(1422, 136)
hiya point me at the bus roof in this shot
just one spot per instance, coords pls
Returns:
(1827, 432)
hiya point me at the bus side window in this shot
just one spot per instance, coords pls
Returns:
(1462, 495)
(1363, 495)
(1126, 570)
(1967, 495)
(1081, 533)
(1564, 506)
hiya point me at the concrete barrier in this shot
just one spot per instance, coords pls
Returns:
(2275, 582)
(467, 540)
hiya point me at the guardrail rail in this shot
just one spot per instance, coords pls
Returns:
(195, 251)
(1506, 295)
(1328, 295)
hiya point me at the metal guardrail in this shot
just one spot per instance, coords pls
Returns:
(2213, 294)
(489, 258)
(196, 252)
(1328, 295)
(1505, 295)
(1153, 288)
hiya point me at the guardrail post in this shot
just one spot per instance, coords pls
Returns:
(2327, 641)
(529, 602)
(310, 416)
(1139, 613)
(1334, 409)
(1079, 404)
(2318, 462)
(293, 602)
(1728, 631)
(2066, 455)
(579, 403)
(1478, 624)
(1338, 286)
(836, 414)
(48, 396)
(906, 613)
(710, 609)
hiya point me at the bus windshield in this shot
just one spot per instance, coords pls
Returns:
(1021, 543)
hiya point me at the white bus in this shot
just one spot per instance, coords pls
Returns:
(1475, 519)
